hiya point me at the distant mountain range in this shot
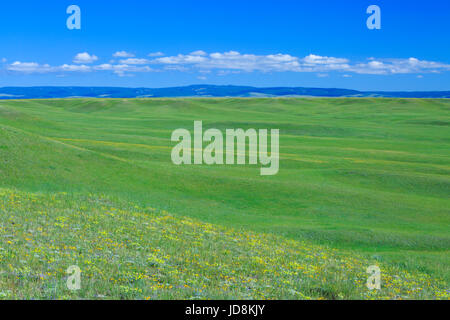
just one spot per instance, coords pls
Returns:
(202, 91)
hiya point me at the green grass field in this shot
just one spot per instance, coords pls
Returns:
(90, 182)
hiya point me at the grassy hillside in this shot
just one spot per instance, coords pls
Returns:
(368, 177)
(129, 252)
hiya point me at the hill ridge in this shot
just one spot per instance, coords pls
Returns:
(44, 92)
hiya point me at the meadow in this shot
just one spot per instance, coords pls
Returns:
(90, 182)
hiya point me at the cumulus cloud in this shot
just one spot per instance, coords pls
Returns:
(198, 53)
(134, 61)
(313, 59)
(123, 54)
(122, 69)
(180, 59)
(29, 67)
(74, 68)
(85, 57)
(34, 67)
(156, 54)
(232, 62)
(399, 66)
(322, 63)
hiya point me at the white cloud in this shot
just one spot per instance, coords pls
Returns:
(180, 59)
(33, 67)
(29, 67)
(233, 60)
(74, 68)
(313, 59)
(104, 67)
(134, 61)
(399, 66)
(223, 63)
(85, 57)
(123, 54)
(176, 68)
(322, 63)
(198, 53)
(122, 69)
(156, 54)
(4, 60)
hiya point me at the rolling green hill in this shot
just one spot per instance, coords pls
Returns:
(367, 179)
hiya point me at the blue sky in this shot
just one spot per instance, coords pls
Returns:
(138, 43)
